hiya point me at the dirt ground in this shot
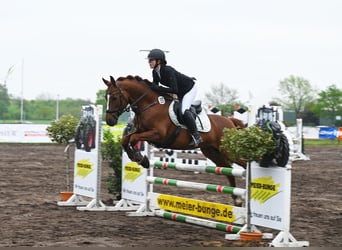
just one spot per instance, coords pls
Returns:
(32, 176)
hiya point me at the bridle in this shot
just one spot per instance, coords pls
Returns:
(122, 99)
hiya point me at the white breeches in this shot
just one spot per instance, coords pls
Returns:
(189, 98)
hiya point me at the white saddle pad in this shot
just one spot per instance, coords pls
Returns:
(202, 119)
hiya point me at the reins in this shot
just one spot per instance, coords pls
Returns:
(132, 106)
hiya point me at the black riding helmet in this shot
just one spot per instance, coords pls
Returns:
(157, 54)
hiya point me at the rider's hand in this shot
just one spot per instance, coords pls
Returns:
(154, 87)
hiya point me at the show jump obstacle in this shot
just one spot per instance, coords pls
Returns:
(270, 199)
(270, 196)
(87, 174)
(87, 168)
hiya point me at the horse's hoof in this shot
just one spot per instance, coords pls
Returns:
(145, 162)
(238, 202)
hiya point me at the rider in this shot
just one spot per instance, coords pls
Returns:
(181, 85)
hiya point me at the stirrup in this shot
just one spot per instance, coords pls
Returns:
(195, 141)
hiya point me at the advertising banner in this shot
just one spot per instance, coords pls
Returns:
(270, 197)
(339, 134)
(134, 187)
(327, 133)
(24, 133)
(86, 153)
(85, 173)
(199, 208)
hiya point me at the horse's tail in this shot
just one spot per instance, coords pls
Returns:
(238, 123)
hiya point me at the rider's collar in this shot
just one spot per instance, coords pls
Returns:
(157, 68)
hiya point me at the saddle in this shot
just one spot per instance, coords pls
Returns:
(202, 119)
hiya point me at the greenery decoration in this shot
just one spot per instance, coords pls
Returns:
(63, 130)
(249, 144)
(111, 152)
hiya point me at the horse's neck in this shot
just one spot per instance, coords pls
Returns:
(139, 94)
(142, 98)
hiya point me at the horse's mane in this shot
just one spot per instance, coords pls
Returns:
(134, 78)
(146, 82)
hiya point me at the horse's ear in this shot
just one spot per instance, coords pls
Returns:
(112, 80)
(106, 82)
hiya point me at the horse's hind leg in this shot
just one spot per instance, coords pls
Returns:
(221, 159)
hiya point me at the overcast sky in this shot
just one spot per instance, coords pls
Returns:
(65, 47)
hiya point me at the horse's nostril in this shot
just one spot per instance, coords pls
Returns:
(111, 121)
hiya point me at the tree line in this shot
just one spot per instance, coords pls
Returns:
(43, 110)
(297, 95)
(315, 107)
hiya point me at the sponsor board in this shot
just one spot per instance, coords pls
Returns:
(24, 133)
(269, 196)
(328, 133)
(85, 173)
(134, 185)
(199, 208)
(86, 163)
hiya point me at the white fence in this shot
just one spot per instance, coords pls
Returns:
(36, 133)
(26, 133)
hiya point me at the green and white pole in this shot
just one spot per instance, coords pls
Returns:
(196, 185)
(202, 169)
(198, 221)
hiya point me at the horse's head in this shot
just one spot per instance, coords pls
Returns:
(116, 101)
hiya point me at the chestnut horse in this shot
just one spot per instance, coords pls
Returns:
(153, 124)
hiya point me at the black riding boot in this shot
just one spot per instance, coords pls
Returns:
(189, 121)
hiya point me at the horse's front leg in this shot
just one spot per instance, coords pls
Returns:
(133, 152)
(125, 143)
(140, 137)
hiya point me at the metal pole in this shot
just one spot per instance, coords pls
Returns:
(99, 157)
(57, 108)
(248, 196)
(22, 93)
(67, 172)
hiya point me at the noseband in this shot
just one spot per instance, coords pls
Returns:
(116, 113)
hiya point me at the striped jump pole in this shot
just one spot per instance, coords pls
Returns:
(202, 169)
(197, 221)
(196, 185)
